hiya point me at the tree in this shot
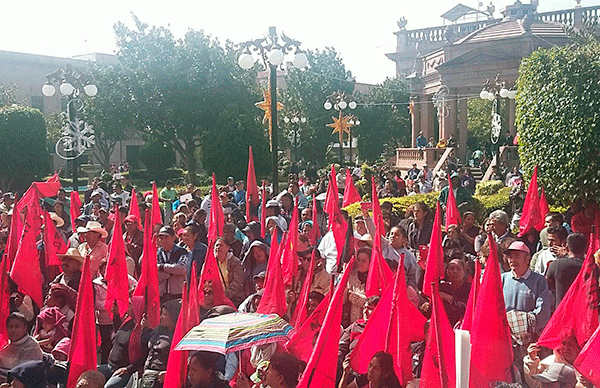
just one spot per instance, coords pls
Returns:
(8, 94)
(558, 118)
(479, 122)
(385, 120)
(23, 150)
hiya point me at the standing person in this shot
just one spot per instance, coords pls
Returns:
(168, 195)
(421, 141)
(119, 194)
(171, 260)
(413, 173)
(562, 272)
(93, 247)
(239, 195)
(557, 242)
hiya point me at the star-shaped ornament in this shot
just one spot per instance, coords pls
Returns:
(341, 125)
(265, 105)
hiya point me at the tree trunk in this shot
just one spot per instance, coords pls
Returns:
(191, 163)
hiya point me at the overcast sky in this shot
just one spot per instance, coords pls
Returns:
(361, 31)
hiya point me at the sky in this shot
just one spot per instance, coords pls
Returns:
(360, 31)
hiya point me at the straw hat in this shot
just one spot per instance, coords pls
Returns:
(57, 219)
(93, 226)
(73, 253)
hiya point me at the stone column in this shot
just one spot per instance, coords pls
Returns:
(511, 117)
(427, 115)
(448, 123)
(462, 128)
(415, 114)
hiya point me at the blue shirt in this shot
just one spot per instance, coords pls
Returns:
(529, 293)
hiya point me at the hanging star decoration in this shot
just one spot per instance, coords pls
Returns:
(265, 105)
(341, 125)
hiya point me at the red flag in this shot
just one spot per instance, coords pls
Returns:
(300, 314)
(54, 178)
(396, 316)
(117, 280)
(148, 282)
(452, 213)
(589, 358)
(82, 355)
(380, 275)
(14, 236)
(194, 303)
(134, 209)
(302, 340)
(490, 335)
(439, 369)
(263, 211)
(531, 217)
(210, 273)
(177, 363)
(4, 299)
(156, 216)
(53, 241)
(434, 270)
(273, 299)
(46, 189)
(289, 260)
(252, 197)
(332, 197)
(544, 207)
(350, 193)
(579, 308)
(470, 310)
(321, 367)
(216, 219)
(74, 208)
(315, 232)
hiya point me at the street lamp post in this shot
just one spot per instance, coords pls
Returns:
(340, 101)
(271, 50)
(294, 136)
(77, 135)
(495, 92)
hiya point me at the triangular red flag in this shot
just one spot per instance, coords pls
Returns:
(82, 355)
(210, 273)
(263, 210)
(434, 269)
(589, 359)
(490, 334)
(579, 308)
(117, 280)
(46, 189)
(74, 208)
(544, 208)
(273, 299)
(332, 197)
(396, 316)
(302, 340)
(315, 232)
(4, 299)
(289, 260)
(452, 213)
(216, 219)
(350, 193)
(321, 367)
(252, 197)
(300, 314)
(156, 216)
(148, 282)
(470, 310)
(194, 301)
(439, 365)
(177, 363)
(14, 235)
(134, 209)
(54, 178)
(531, 218)
(54, 244)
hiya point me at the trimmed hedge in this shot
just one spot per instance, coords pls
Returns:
(488, 188)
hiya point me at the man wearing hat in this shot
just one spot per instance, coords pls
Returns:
(80, 222)
(92, 245)
(96, 198)
(70, 263)
(171, 259)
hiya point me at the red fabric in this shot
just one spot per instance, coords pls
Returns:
(74, 208)
(439, 364)
(210, 273)
(331, 199)
(263, 211)
(579, 308)
(134, 209)
(303, 338)
(589, 358)
(470, 310)
(491, 344)
(531, 217)
(14, 236)
(82, 355)
(380, 275)
(273, 299)
(396, 316)
(289, 260)
(46, 189)
(194, 304)
(54, 178)
(321, 367)
(177, 364)
(117, 280)
(4, 299)
(300, 314)
(148, 282)
(315, 232)
(544, 207)
(216, 219)
(452, 213)
(350, 193)
(434, 269)
(252, 197)
(53, 242)
(156, 216)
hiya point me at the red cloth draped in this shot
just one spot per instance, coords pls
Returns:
(82, 355)
(470, 311)
(156, 216)
(300, 314)
(53, 242)
(332, 197)
(216, 219)
(194, 302)
(491, 343)
(117, 280)
(289, 260)
(252, 197)
(134, 209)
(434, 270)
(302, 339)
(4, 299)
(439, 364)
(75, 209)
(315, 232)
(210, 274)
(452, 213)
(544, 207)
(14, 237)
(148, 282)
(263, 211)
(177, 364)
(321, 367)
(531, 217)
(273, 299)
(350, 193)
(589, 359)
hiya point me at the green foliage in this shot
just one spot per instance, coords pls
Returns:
(23, 150)
(558, 117)
(488, 187)
(8, 94)
(157, 156)
(385, 118)
(143, 178)
(479, 122)
(488, 203)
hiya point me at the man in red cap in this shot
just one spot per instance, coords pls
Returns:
(133, 237)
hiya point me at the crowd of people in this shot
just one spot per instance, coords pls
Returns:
(537, 270)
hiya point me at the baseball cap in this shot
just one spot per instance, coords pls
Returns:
(558, 373)
(518, 246)
(166, 230)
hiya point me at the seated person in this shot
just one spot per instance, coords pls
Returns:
(21, 346)
(202, 367)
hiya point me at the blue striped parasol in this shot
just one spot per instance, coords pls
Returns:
(233, 332)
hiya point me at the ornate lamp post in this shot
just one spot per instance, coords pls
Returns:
(294, 135)
(77, 135)
(271, 51)
(495, 92)
(340, 101)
